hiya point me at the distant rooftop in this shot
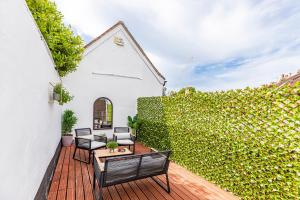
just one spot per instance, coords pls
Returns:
(289, 79)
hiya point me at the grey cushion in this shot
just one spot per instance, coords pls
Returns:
(109, 136)
(96, 144)
(121, 136)
(125, 142)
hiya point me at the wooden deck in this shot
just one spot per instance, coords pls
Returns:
(72, 181)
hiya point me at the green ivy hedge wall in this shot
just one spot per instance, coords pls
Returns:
(246, 141)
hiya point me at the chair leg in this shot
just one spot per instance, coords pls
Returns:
(168, 184)
(88, 162)
(93, 156)
(168, 190)
(94, 184)
(100, 188)
(94, 189)
(74, 152)
(100, 194)
(94, 181)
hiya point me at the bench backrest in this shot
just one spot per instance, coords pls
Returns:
(127, 168)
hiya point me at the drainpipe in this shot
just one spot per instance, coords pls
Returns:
(164, 88)
(165, 83)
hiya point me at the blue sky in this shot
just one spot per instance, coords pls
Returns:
(208, 44)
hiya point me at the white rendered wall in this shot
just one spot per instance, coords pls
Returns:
(105, 57)
(30, 126)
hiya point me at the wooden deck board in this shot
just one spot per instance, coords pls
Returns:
(180, 190)
(79, 194)
(122, 192)
(142, 187)
(65, 171)
(73, 180)
(147, 186)
(56, 177)
(113, 193)
(106, 195)
(130, 192)
(137, 190)
(161, 191)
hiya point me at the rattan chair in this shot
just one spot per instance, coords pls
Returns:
(86, 141)
(129, 168)
(123, 137)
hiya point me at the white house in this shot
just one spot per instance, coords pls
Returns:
(113, 73)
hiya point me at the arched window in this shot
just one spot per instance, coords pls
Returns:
(103, 114)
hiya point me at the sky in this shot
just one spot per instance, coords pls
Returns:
(207, 44)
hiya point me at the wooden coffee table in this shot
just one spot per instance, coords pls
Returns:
(105, 153)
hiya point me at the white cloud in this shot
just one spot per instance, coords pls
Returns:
(257, 72)
(182, 35)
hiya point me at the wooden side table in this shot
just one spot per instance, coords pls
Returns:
(105, 153)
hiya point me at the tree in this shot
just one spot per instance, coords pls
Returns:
(66, 47)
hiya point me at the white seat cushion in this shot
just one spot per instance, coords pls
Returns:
(90, 137)
(109, 136)
(95, 144)
(125, 142)
(121, 136)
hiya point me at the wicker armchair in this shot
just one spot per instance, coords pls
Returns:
(86, 141)
(123, 137)
(129, 168)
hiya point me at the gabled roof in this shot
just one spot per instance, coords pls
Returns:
(131, 36)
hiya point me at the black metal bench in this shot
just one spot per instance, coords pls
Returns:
(129, 168)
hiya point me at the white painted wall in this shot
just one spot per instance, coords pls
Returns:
(105, 57)
(30, 126)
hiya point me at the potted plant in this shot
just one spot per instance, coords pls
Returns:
(61, 95)
(68, 122)
(112, 145)
(134, 124)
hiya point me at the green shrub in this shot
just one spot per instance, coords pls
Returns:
(133, 123)
(66, 48)
(247, 141)
(153, 130)
(64, 95)
(68, 121)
